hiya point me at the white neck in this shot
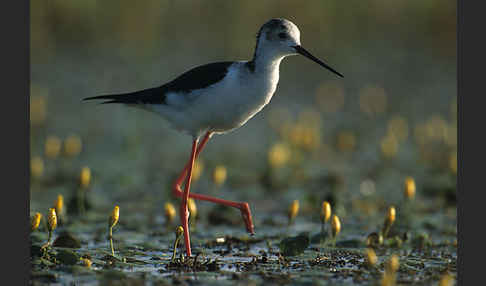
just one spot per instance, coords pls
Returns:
(266, 62)
(266, 58)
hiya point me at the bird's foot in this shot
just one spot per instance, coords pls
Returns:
(247, 218)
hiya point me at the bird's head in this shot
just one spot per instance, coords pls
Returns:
(281, 38)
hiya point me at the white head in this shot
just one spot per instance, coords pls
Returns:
(279, 38)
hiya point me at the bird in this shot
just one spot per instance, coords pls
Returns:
(217, 98)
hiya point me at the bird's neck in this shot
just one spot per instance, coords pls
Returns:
(265, 62)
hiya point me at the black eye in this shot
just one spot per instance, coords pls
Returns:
(282, 35)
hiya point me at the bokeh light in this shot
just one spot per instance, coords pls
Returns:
(372, 100)
(330, 96)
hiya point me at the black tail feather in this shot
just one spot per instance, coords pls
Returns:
(110, 98)
(146, 96)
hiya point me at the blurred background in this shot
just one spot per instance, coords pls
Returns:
(352, 141)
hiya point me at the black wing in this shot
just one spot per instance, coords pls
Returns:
(196, 78)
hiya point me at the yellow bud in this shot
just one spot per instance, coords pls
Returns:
(170, 211)
(52, 146)
(59, 205)
(52, 219)
(36, 219)
(409, 188)
(197, 170)
(85, 177)
(179, 231)
(389, 145)
(36, 167)
(388, 279)
(278, 155)
(115, 215)
(310, 138)
(390, 217)
(297, 134)
(293, 209)
(86, 262)
(191, 205)
(371, 257)
(325, 211)
(219, 175)
(389, 220)
(336, 225)
(446, 280)
(392, 264)
(72, 145)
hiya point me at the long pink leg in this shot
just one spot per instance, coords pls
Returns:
(185, 196)
(242, 206)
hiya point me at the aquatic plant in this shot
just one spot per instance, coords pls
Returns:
(112, 221)
(170, 212)
(293, 211)
(179, 232)
(389, 220)
(51, 224)
(35, 222)
(336, 228)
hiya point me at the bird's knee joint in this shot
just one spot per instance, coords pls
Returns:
(245, 206)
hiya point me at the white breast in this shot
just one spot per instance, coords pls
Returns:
(240, 96)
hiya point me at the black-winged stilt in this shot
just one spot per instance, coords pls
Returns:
(217, 98)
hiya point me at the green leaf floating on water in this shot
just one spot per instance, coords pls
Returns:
(67, 257)
(292, 246)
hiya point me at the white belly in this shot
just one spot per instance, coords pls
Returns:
(222, 107)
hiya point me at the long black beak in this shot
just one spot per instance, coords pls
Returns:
(305, 53)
